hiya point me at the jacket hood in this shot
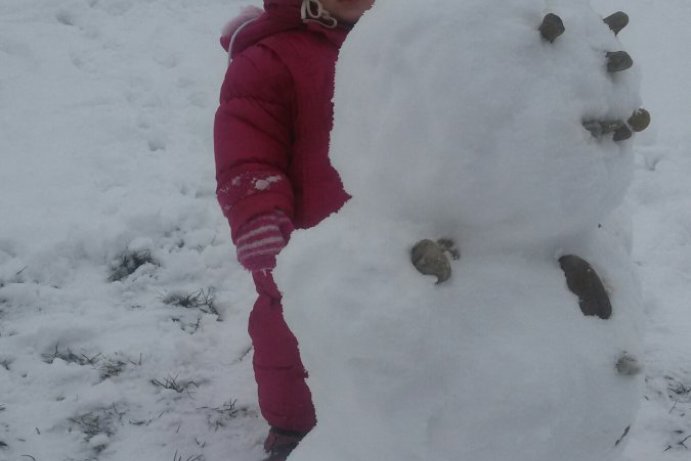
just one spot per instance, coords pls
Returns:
(253, 25)
(286, 9)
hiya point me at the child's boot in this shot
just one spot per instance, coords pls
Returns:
(279, 443)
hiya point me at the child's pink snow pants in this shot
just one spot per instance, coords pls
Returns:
(284, 398)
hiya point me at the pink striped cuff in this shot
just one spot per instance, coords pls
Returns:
(261, 239)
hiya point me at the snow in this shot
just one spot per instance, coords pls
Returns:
(106, 143)
(496, 120)
(475, 136)
(105, 138)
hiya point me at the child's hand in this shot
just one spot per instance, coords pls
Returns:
(261, 239)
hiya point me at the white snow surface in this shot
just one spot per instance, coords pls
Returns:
(106, 110)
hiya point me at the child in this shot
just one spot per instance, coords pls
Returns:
(271, 140)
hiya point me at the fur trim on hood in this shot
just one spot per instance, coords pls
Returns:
(246, 16)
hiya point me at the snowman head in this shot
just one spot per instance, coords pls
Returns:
(466, 123)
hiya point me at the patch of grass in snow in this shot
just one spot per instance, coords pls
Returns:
(114, 366)
(204, 300)
(679, 392)
(100, 421)
(172, 383)
(178, 457)
(674, 390)
(128, 262)
(70, 357)
(679, 444)
(108, 367)
(219, 417)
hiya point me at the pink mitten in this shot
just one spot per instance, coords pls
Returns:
(261, 239)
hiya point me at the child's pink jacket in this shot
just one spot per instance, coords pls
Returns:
(272, 128)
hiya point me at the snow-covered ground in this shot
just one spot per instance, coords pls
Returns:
(106, 164)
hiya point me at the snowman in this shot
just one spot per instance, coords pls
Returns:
(475, 299)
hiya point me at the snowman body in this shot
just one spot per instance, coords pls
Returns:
(458, 120)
